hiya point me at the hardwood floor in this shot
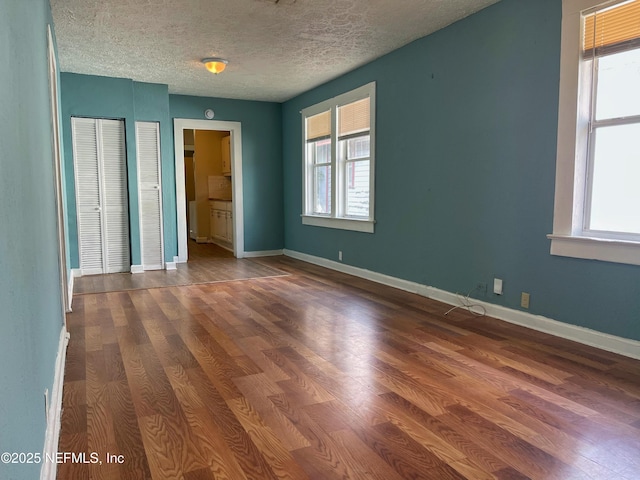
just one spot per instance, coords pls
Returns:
(207, 263)
(319, 375)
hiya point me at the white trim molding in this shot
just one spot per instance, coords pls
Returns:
(54, 414)
(569, 237)
(137, 269)
(337, 217)
(263, 253)
(604, 341)
(170, 266)
(617, 251)
(71, 278)
(340, 223)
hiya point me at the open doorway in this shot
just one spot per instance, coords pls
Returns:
(208, 190)
(209, 197)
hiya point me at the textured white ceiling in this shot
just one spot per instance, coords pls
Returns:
(276, 48)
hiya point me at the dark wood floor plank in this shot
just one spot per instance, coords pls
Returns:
(254, 347)
(271, 448)
(398, 449)
(451, 444)
(313, 374)
(518, 453)
(164, 455)
(236, 438)
(72, 442)
(127, 433)
(209, 437)
(101, 436)
(254, 388)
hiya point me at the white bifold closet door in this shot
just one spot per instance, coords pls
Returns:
(150, 194)
(99, 156)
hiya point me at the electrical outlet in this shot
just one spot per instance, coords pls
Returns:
(481, 288)
(340, 255)
(497, 286)
(524, 300)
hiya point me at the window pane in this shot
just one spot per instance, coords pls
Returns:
(615, 195)
(357, 182)
(322, 190)
(322, 151)
(358, 147)
(618, 80)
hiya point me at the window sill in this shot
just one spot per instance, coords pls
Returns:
(365, 226)
(617, 251)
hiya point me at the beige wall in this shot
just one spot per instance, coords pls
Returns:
(188, 137)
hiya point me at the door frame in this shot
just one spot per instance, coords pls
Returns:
(66, 287)
(181, 124)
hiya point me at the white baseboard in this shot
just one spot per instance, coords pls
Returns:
(54, 415)
(623, 346)
(137, 269)
(263, 253)
(170, 266)
(76, 272)
(70, 291)
(395, 282)
(202, 239)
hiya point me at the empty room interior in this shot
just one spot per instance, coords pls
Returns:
(329, 239)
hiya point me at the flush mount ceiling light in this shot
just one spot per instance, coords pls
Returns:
(215, 65)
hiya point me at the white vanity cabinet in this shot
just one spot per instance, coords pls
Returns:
(221, 221)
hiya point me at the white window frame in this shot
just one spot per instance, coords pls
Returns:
(569, 237)
(337, 219)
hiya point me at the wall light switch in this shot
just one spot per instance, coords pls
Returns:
(497, 286)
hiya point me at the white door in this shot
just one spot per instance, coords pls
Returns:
(99, 158)
(150, 194)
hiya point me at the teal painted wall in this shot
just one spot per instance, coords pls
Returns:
(30, 292)
(465, 171)
(105, 97)
(99, 97)
(262, 162)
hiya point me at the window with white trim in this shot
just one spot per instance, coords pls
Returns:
(597, 204)
(338, 142)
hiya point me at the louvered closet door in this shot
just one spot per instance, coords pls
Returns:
(88, 204)
(101, 195)
(115, 200)
(150, 192)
